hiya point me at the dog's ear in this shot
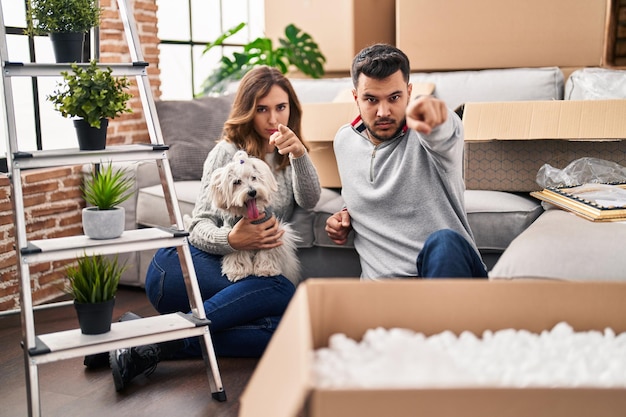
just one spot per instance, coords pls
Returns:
(218, 188)
(266, 173)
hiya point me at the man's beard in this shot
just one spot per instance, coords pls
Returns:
(380, 138)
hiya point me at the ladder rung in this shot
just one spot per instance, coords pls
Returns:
(64, 157)
(72, 343)
(21, 69)
(75, 246)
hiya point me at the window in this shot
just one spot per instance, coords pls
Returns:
(186, 26)
(34, 118)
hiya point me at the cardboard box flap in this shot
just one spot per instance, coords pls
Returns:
(584, 120)
(468, 402)
(280, 383)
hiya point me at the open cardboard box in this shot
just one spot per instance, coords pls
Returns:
(320, 123)
(507, 142)
(281, 385)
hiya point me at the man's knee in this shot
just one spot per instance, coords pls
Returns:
(444, 236)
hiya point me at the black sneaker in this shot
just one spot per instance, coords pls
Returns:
(101, 360)
(128, 363)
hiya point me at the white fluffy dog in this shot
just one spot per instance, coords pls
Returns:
(244, 188)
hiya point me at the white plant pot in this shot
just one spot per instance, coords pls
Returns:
(103, 224)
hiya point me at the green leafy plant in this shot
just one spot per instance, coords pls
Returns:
(61, 16)
(91, 93)
(297, 48)
(94, 279)
(107, 187)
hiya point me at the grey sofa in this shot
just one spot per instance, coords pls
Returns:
(191, 127)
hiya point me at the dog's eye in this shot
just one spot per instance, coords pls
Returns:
(237, 182)
(253, 178)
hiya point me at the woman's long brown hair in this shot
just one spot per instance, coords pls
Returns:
(239, 128)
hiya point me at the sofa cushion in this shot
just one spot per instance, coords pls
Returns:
(497, 217)
(191, 129)
(151, 208)
(512, 84)
(561, 245)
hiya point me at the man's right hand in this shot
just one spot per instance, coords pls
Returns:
(338, 227)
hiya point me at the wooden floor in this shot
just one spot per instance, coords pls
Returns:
(176, 388)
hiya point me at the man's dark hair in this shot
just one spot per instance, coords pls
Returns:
(379, 61)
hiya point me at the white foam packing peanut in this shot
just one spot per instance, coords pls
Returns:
(401, 358)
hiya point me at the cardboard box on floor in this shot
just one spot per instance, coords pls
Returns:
(506, 143)
(478, 34)
(320, 123)
(281, 385)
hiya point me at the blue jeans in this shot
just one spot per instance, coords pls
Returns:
(447, 254)
(243, 315)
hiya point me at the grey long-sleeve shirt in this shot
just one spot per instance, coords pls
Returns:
(401, 191)
(297, 184)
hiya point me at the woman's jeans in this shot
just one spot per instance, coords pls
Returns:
(243, 314)
(447, 254)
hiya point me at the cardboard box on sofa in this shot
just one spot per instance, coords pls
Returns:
(507, 142)
(320, 122)
(281, 385)
(460, 34)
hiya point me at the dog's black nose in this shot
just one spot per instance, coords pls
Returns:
(252, 192)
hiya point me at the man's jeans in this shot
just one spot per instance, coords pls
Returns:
(447, 254)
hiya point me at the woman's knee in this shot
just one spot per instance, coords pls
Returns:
(164, 284)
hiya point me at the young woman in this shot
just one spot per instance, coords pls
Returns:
(265, 122)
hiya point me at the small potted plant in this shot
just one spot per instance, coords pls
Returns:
(66, 22)
(104, 190)
(93, 282)
(92, 95)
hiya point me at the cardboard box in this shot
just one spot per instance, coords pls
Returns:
(320, 122)
(281, 385)
(341, 28)
(506, 143)
(478, 34)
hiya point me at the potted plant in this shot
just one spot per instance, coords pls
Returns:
(105, 189)
(297, 48)
(66, 22)
(92, 95)
(93, 282)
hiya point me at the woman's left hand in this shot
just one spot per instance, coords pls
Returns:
(287, 142)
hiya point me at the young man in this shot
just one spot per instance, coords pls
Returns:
(400, 164)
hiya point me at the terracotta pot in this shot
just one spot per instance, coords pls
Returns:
(95, 318)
